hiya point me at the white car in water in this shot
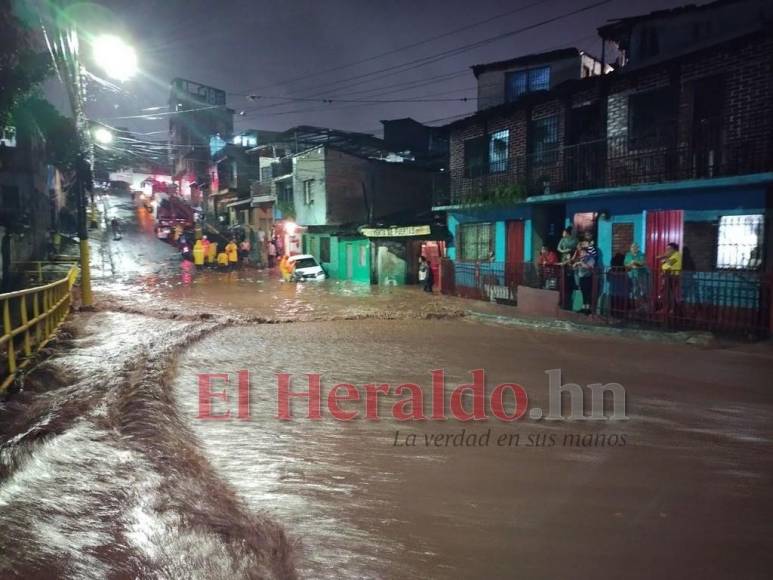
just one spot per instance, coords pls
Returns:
(306, 267)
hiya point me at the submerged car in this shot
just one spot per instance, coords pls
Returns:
(306, 267)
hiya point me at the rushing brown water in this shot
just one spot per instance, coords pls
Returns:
(106, 471)
(691, 474)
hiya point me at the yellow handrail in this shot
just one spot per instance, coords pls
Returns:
(33, 315)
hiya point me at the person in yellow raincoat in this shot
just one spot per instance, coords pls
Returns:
(222, 260)
(286, 268)
(232, 250)
(212, 253)
(198, 253)
(282, 265)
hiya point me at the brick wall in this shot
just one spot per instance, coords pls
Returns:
(622, 238)
(353, 184)
(699, 242)
(746, 67)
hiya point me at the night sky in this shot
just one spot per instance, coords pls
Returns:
(256, 47)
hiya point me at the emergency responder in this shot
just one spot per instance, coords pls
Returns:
(222, 261)
(198, 253)
(232, 250)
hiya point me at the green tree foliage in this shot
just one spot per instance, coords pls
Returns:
(34, 114)
(24, 63)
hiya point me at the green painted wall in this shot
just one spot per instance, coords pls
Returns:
(360, 260)
(312, 244)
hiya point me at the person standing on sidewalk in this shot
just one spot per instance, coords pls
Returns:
(271, 253)
(426, 277)
(244, 250)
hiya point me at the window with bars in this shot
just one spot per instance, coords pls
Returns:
(476, 241)
(308, 191)
(520, 82)
(483, 155)
(543, 140)
(475, 157)
(498, 146)
(739, 242)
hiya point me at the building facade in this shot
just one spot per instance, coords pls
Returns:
(679, 150)
(200, 125)
(336, 192)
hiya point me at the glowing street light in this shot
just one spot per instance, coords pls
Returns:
(103, 136)
(115, 57)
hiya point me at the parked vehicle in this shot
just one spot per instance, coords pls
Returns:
(306, 267)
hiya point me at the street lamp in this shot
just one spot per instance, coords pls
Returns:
(115, 57)
(103, 136)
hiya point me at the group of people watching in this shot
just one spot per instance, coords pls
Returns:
(577, 263)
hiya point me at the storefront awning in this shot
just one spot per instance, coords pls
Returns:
(241, 202)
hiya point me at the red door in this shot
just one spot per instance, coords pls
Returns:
(434, 252)
(514, 252)
(663, 228)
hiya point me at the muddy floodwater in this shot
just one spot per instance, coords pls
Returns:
(685, 478)
(110, 467)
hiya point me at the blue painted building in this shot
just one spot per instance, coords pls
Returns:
(677, 149)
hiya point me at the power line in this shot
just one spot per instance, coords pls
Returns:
(258, 110)
(423, 61)
(337, 100)
(402, 48)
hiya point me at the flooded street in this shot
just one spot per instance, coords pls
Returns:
(109, 471)
(366, 504)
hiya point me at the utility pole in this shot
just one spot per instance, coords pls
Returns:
(120, 62)
(83, 174)
(83, 183)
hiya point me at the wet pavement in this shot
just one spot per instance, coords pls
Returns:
(108, 470)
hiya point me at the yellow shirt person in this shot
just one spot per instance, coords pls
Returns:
(672, 260)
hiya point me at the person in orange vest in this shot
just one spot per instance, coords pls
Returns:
(232, 250)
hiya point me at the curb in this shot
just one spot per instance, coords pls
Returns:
(704, 339)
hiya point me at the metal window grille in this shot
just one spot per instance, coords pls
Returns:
(474, 157)
(543, 140)
(739, 244)
(477, 241)
(498, 147)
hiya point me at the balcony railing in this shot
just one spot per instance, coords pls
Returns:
(712, 149)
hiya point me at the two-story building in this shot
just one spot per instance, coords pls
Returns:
(337, 192)
(675, 146)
